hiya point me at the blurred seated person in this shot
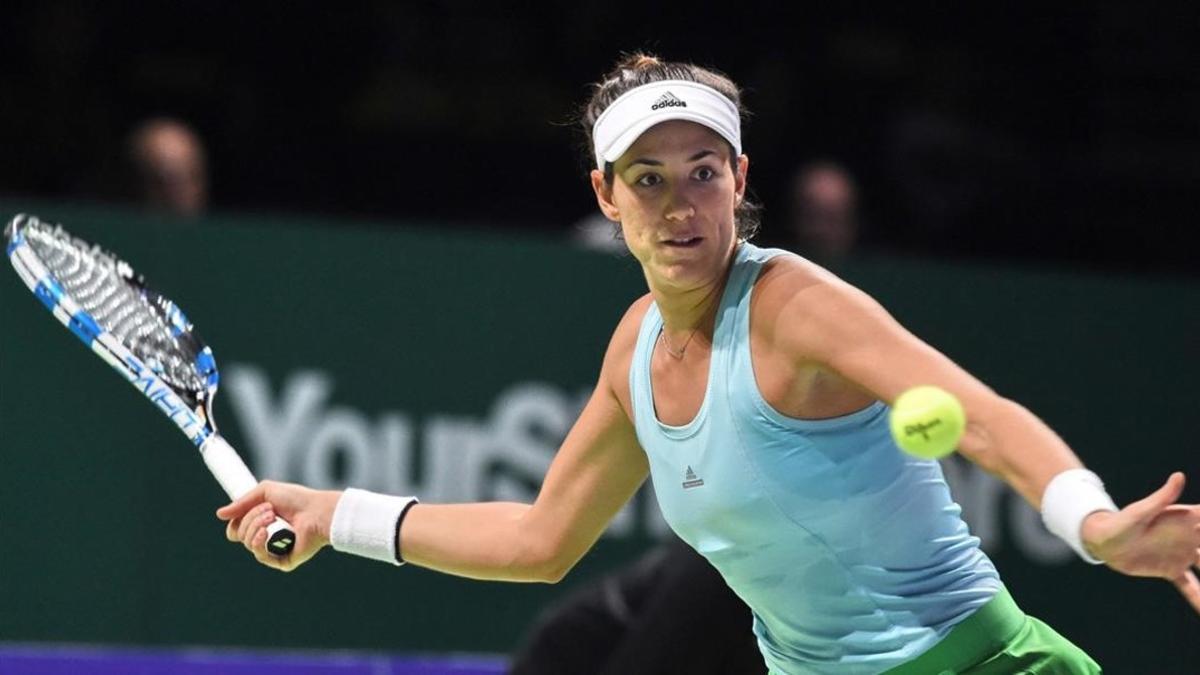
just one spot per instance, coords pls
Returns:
(668, 612)
(169, 166)
(823, 221)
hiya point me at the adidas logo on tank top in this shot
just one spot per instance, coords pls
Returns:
(690, 480)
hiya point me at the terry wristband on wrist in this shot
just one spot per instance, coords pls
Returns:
(368, 524)
(1069, 498)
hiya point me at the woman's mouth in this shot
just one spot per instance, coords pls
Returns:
(683, 242)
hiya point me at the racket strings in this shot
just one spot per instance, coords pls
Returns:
(91, 278)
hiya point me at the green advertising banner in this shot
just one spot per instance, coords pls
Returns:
(449, 364)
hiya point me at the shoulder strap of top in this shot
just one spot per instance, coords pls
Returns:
(748, 261)
(639, 366)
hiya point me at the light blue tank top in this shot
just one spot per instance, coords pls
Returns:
(851, 554)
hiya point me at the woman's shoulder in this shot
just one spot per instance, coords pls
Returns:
(619, 355)
(624, 337)
(786, 276)
(627, 329)
(795, 302)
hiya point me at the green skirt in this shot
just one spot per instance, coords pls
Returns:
(1000, 639)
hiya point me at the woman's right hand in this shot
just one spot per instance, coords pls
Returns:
(309, 511)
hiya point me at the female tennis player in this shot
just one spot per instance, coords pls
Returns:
(753, 387)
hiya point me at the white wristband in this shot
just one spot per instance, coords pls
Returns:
(1069, 498)
(365, 523)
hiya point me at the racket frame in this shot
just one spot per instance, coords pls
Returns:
(197, 423)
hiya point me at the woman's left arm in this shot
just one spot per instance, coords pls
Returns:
(830, 324)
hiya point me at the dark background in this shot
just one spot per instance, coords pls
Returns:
(1068, 136)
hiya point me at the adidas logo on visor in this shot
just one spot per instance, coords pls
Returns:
(668, 100)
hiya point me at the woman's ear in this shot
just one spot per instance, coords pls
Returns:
(603, 192)
(743, 168)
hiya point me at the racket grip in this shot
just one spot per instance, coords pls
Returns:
(235, 478)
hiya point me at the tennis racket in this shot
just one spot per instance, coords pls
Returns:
(138, 332)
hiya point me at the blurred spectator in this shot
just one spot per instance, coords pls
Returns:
(823, 222)
(170, 169)
(668, 612)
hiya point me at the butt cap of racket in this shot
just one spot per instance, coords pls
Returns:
(280, 538)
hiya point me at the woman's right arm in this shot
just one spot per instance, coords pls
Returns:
(597, 469)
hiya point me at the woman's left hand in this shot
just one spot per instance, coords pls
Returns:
(1152, 537)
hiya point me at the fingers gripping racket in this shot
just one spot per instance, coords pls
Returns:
(141, 334)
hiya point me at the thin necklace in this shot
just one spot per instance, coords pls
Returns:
(667, 345)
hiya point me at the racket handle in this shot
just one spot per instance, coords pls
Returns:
(235, 478)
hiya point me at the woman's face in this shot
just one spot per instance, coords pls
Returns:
(674, 193)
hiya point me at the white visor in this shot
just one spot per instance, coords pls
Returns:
(638, 109)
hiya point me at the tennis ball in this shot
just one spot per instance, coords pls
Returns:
(927, 422)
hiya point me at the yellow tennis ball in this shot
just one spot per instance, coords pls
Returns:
(927, 422)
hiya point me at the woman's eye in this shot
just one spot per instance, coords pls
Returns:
(705, 174)
(648, 180)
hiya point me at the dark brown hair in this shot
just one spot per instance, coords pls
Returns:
(639, 68)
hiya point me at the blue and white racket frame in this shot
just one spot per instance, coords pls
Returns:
(192, 413)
